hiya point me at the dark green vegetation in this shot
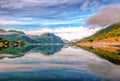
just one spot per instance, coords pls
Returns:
(108, 32)
(14, 51)
(19, 36)
(3, 42)
(110, 56)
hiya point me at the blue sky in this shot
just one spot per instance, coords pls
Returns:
(39, 16)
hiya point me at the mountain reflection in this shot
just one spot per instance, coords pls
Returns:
(110, 53)
(14, 51)
(47, 49)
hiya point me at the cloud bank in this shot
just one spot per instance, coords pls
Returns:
(69, 33)
(50, 8)
(106, 16)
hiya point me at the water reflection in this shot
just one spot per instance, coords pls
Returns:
(69, 64)
(47, 49)
(110, 53)
(19, 51)
(3, 47)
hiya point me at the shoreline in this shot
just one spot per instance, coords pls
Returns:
(116, 44)
(111, 47)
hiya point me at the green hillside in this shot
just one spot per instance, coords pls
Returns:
(108, 32)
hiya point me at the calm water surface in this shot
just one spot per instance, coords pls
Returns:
(55, 63)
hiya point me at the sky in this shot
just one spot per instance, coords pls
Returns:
(69, 19)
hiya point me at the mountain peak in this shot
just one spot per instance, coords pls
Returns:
(46, 34)
(49, 38)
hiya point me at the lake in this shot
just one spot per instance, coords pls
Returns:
(58, 63)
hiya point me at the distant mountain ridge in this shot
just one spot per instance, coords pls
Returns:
(19, 36)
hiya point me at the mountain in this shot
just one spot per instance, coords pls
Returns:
(48, 38)
(15, 36)
(19, 36)
(19, 32)
(110, 33)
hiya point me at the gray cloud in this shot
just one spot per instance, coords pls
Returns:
(106, 16)
(49, 8)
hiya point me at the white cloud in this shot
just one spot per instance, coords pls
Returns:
(29, 20)
(6, 22)
(15, 22)
(69, 33)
